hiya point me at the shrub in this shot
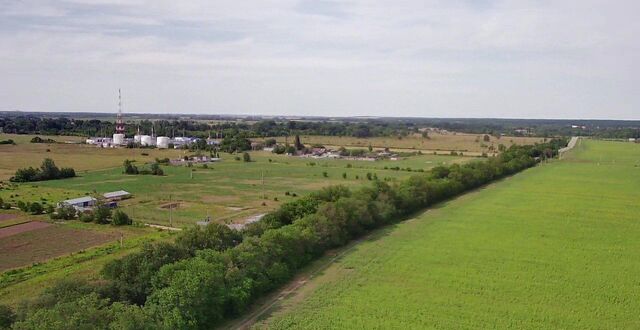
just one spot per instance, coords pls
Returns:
(120, 218)
(101, 214)
(7, 317)
(246, 157)
(66, 212)
(36, 208)
(86, 217)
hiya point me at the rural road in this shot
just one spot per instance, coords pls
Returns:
(295, 284)
(572, 143)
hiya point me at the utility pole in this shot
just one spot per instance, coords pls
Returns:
(170, 212)
(263, 195)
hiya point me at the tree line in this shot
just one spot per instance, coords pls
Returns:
(47, 171)
(356, 127)
(214, 273)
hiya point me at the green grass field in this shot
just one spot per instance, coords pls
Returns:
(228, 191)
(554, 247)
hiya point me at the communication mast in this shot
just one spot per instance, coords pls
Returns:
(119, 121)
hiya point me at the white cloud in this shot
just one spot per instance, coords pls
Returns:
(410, 58)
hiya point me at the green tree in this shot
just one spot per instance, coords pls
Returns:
(190, 294)
(246, 157)
(120, 218)
(7, 317)
(36, 208)
(49, 170)
(101, 214)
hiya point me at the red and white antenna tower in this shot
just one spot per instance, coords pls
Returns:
(119, 121)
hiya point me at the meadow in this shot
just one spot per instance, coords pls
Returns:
(68, 153)
(229, 191)
(439, 142)
(553, 247)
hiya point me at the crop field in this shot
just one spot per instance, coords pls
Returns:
(72, 258)
(553, 247)
(78, 156)
(228, 191)
(470, 144)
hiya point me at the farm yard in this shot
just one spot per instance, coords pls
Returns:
(555, 246)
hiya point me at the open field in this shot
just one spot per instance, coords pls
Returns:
(228, 191)
(78, 156)
(10, 218)
(553, 247)
(470, 144)
(37, 241)
(22, 228)
(33, 260)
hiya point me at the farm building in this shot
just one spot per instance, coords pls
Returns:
(80, 203)
(117, 195)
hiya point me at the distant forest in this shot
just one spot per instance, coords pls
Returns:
(87, 124)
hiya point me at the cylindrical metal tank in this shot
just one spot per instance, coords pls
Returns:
(162, 142)
(146, 140)
(118, 139)
(137, 138)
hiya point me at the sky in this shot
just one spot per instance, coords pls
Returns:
(423, 58)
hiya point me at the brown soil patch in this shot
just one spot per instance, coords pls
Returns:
(45, 243)
(4, 217)
(23, 227)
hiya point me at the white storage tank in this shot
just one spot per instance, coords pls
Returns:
(118, 139)
(146, 140)
(137, 138)
(162, 142)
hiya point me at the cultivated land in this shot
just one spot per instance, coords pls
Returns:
(553, 247)
(442, 143)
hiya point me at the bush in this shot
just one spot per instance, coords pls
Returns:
(67, 212)
(246, 157)
(86, 217)
(36, 208)
(120, 218)
(101, 214)
(156, 170)
(7, 317)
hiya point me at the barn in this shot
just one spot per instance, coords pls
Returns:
(80, 203)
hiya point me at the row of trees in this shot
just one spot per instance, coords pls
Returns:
(47, 171)
(154, 168)
(32, 124)
(215, 273)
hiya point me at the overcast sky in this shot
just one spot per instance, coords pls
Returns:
(515, 59)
